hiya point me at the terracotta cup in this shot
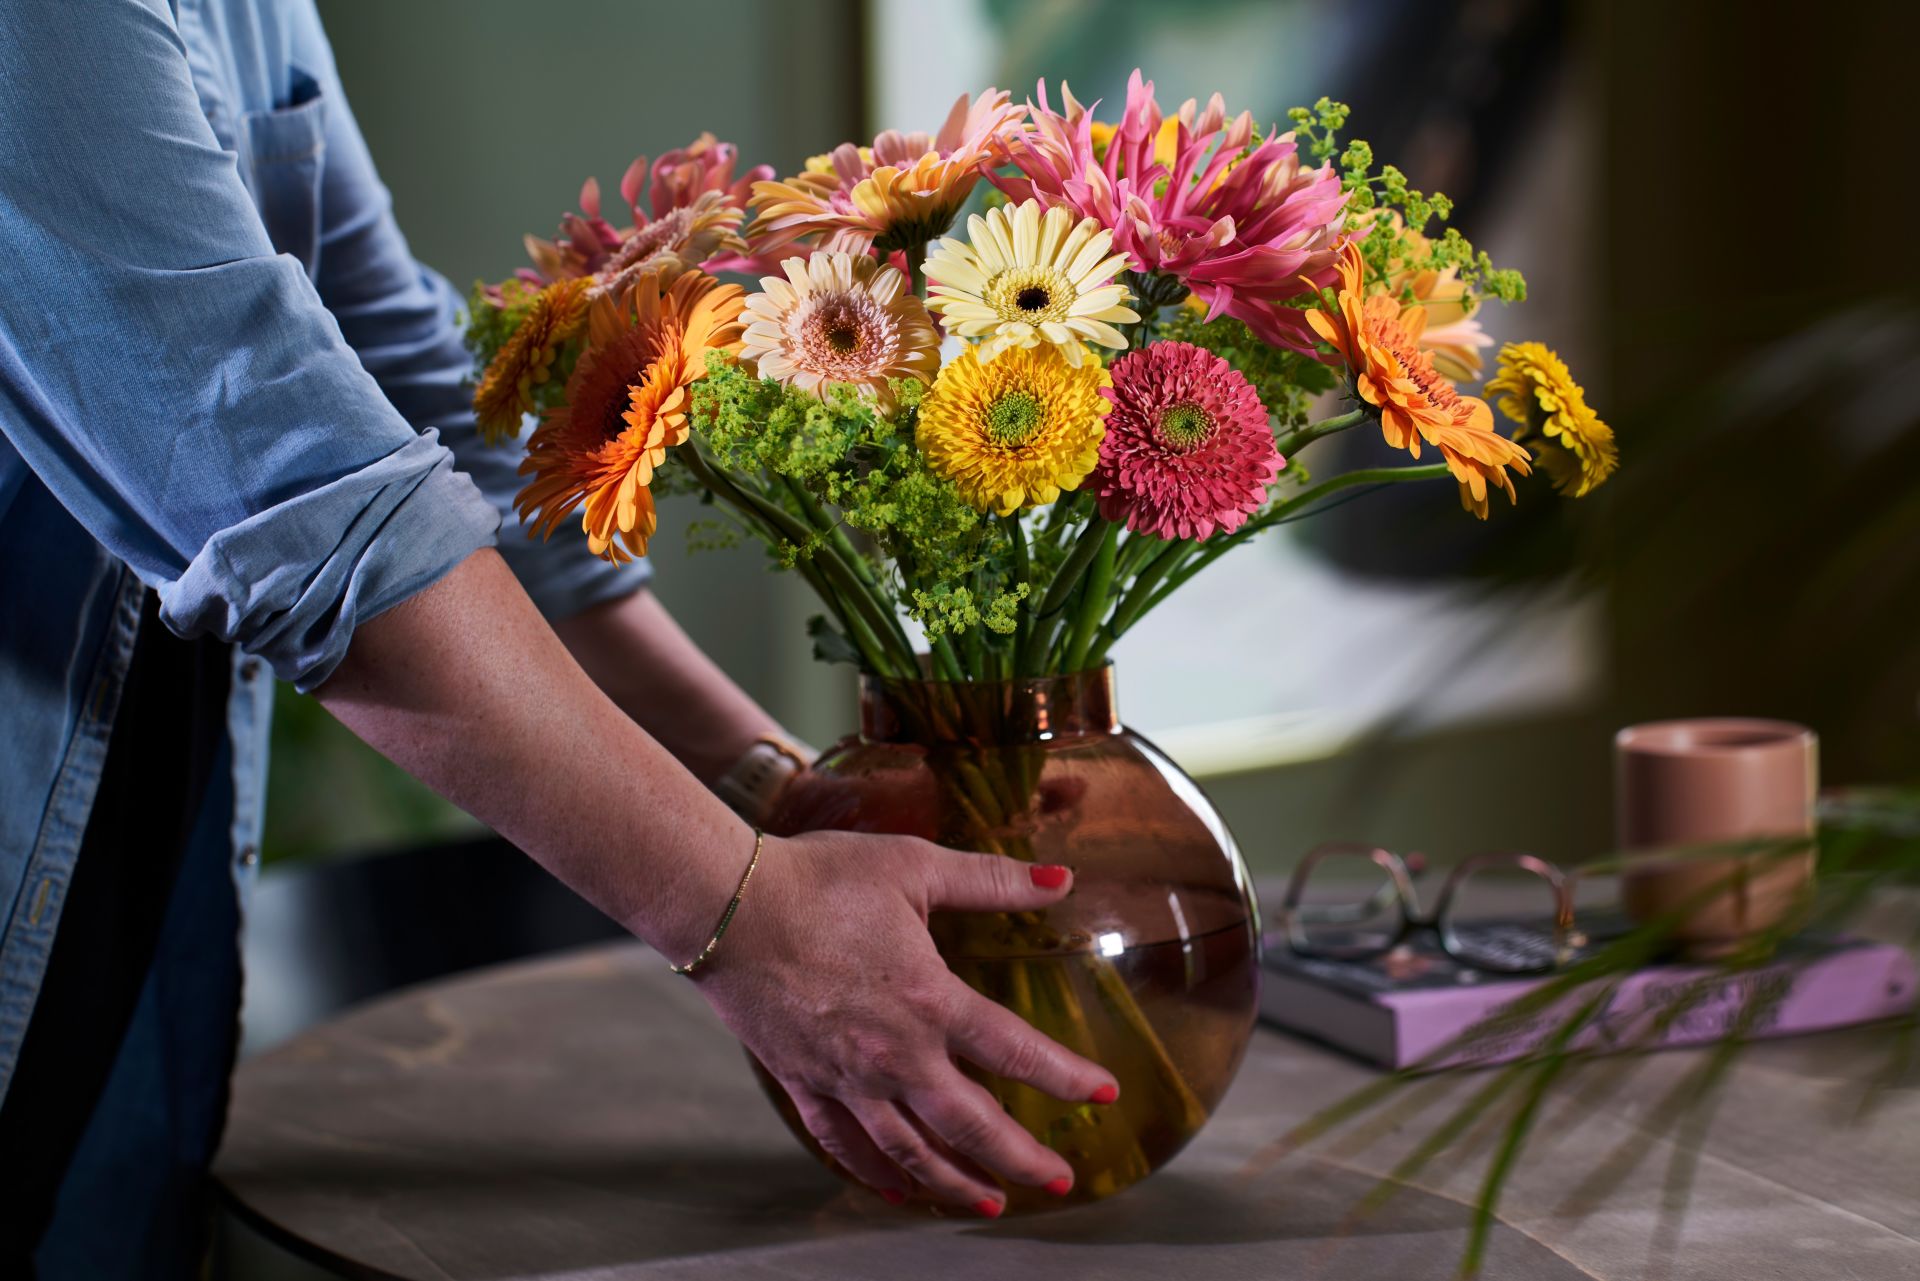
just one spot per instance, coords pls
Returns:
(1694, 782)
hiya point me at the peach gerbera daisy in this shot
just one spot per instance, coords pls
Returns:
(626, 405)
(1449, 331)
(525, 360)
(839, 318)
(1380, 346)
(898, 194)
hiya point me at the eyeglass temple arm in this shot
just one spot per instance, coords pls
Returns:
(1379, 901)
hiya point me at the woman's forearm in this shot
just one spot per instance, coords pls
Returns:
(634, 650)
(468, 689)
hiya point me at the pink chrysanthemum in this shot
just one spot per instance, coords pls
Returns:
(1188, 449)
(1237, 223)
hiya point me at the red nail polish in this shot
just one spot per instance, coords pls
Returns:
(893, 1196)
(1105, 1094)
(987, 1208)
(1048, 876)
(1060, 1186)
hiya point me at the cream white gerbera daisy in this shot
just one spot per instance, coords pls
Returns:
(1028, 278)
(839, 318)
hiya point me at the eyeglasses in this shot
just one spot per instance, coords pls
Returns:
(1504, 911)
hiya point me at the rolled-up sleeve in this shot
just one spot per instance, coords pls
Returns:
(401, 318)
(175, 382)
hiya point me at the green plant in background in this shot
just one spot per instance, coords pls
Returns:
(1869, 853)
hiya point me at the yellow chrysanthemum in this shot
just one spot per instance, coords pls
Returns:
(1537, 392)
(1016, 432)
(1030, 278)
(525, 360)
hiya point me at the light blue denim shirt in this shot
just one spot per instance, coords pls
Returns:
(221, 375)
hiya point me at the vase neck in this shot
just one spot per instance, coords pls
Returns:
(1037, 709)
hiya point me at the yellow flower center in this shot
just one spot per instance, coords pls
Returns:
(1013, 417)
(1185, 426)
(1032, 294)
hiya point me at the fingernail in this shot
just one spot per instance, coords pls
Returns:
(987, 1208)
(1105, 1094)
(1060, 1186)
(1048, 876)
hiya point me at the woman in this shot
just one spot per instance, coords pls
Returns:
(221, 377)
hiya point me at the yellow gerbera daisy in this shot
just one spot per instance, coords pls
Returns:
(1029, 278)
(1536, 391)
(525, 360)
(1016, 432)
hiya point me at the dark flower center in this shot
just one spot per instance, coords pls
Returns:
(1032, 298)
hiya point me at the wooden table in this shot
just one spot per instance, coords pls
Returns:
(586, 1116)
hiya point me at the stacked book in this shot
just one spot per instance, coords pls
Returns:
(1418, 1007)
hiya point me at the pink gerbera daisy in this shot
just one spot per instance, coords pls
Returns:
(1188, 449)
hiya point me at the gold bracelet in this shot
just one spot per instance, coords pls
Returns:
(726, 917)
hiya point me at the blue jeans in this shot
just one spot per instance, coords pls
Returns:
(135, 1200)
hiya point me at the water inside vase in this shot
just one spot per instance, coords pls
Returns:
(1169, 1020)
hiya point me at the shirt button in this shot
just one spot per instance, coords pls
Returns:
(249, 856)
(249, 670)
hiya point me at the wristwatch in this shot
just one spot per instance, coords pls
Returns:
(752, 784)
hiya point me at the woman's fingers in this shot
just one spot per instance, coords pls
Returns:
(993, 1037)
(841, 1137)
(971, 1122)
(905, 1144)
(991, 882)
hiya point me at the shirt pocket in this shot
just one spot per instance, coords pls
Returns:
(286, 149)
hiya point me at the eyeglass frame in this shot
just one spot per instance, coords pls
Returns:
(1400, 890)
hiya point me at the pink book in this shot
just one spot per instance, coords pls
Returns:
(1406, 1008)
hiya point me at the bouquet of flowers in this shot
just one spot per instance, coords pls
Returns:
(1011, 385)
(1026, 436)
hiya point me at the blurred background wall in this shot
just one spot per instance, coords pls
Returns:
(1709, 201)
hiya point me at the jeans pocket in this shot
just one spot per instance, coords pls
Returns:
(286, 148)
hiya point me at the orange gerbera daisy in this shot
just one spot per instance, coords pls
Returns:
(1380, 345)
(626, 405)
(525, 360)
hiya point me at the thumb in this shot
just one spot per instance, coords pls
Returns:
(992, 882)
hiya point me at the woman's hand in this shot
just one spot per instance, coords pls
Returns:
(829, 977)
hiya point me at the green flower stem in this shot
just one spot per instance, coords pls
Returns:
(1295, 441)
(916, 268)
(1094, 593)
(867, 621)
(1040, 643)
(1276, 514)
(1136, 551)
(1134, 603)
(822, 520)
(945, 660)
(1022, 573)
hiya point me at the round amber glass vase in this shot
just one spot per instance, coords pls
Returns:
(1149, 967)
